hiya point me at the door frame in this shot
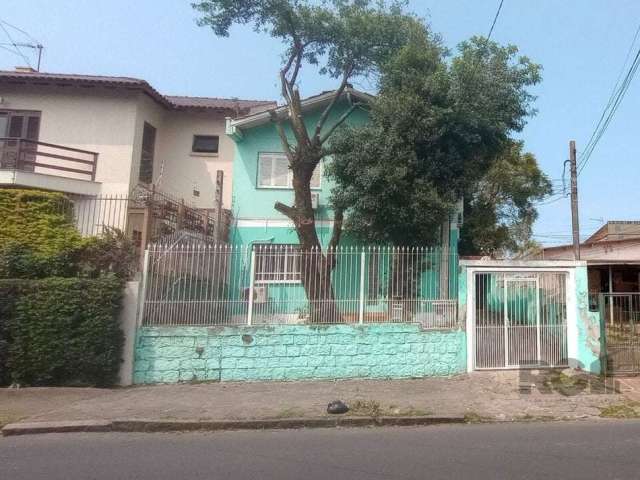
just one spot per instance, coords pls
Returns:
(523, 267)
(507, 321)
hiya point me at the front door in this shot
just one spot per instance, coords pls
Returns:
(520, 320)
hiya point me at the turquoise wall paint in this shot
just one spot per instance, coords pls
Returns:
(296, 352)
(589, 341)
(252, 202)
(589, 327)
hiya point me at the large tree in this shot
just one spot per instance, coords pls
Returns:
(500, 210)
(438, 126)
(345, 39)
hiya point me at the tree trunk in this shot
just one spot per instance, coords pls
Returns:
(316, 266)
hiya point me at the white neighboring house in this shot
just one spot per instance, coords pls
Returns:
(93, 136)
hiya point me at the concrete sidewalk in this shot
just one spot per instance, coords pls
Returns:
(478, 396)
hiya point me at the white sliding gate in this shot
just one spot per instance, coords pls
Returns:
(519, 319)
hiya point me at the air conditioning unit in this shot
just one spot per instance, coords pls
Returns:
(315, 200)
(260, 294)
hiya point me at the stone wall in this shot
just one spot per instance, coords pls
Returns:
(296, 352)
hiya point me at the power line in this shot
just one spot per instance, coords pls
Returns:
(495, 19)
(615, 99)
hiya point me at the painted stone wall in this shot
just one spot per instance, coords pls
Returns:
(296, 352)
(589, 351)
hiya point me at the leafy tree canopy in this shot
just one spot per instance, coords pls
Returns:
(500, 211)
(437, 127)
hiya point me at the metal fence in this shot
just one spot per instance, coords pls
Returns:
(147, 216)
(620, 313)
(194, 284)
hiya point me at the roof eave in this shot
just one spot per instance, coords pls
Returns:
(260, 118)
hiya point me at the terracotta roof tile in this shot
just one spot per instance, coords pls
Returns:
(238, 106)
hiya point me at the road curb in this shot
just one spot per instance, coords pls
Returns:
(138, 425)
(32, 428)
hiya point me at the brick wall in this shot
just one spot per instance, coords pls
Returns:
(295, 352)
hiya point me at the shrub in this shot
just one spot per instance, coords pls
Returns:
(9, 291)
(111, 252)
(37, 235)
(64, 331)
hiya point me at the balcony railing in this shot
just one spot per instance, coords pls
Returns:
(40, 157)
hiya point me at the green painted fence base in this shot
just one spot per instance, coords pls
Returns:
(296, 352)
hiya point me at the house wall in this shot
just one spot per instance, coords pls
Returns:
(255, 219)
(69, 118)
(628, 250)
(296, 352)
(253, 207)
(185, 171)
(111, 123)
(584, 333)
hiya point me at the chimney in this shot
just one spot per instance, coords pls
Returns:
(25, 70)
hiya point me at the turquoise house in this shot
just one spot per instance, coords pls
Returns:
(261, 177)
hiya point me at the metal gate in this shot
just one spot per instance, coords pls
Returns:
(621, 315)
(520, 320)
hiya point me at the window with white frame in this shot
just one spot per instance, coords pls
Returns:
(277, 263)
(274, 172)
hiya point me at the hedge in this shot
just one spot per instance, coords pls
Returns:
(37, 234)
(61, 331)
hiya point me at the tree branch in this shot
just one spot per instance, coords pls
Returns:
(297, 123)
(283, 136)
(338, 93)
(289, 212)
(296, 70)
(339, 122)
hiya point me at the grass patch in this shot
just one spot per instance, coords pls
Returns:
(567, 385)
(534, 418)
(473, 417)
(629, 409)
(373, 408)
(7, 418)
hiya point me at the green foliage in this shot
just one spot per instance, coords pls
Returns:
(37, 234)
(437, 128)
(500, 212)
(53, 330)
(337, 35)
(8, 293)
(38, 239)
(112, 252)
(64, 331)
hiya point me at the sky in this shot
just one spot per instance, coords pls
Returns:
(581, 45)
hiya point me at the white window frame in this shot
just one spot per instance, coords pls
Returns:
(289, 185)
(288, 274)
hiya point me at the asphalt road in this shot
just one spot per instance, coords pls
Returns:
(602, 450)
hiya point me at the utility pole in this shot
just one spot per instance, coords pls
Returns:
(575, 222)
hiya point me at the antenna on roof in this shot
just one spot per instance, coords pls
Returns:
(35, 46)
